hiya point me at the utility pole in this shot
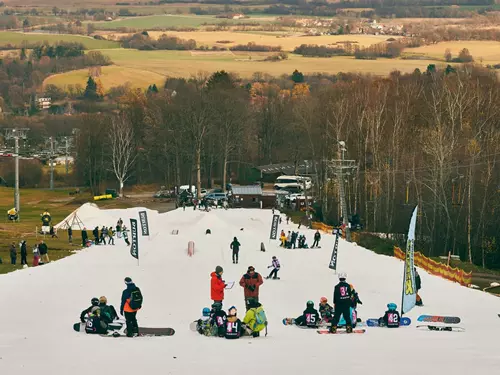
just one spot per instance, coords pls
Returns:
(51, 163)
(16, 134)
(67, 148)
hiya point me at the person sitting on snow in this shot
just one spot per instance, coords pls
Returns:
(203, 326)
(218, 319)
(95, 324)
(325, 310)
(233, 324)
(391, 317)
(309, 318)
(255, 319)
(94, 302)
(108, 312)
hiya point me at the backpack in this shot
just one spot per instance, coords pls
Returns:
(136, 299)
(260, 316)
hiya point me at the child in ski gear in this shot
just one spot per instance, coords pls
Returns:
(217, 285)
(282, 238)
(235, 246)
(342, 303)
(108, 312)
(203, 325)
(276, 267)
(125, 235)
(131, 303)
(251, 281)
(255, 319)
(94, 323)
(94, 303)
(325, 310)
(218, 319)
(418, 285)
(391, 317)
(317, 238)
(310, 316)
(233, 324)
(355, 297)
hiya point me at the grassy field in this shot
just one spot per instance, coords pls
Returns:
(287, 41)
(159, 21)
(486, 52)
(17, 39)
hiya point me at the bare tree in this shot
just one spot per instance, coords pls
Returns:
(123, 151)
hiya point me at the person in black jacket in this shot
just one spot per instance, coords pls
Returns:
(85, 237)
(95, 232)
(13, 253)
(70, 235)
(317, 238)
(94, 302)
(342, 300)
(44, 252)
(218, 319)
(418, 285)
(24, 252)
(310, 316)
(233, 325)
(235, 245)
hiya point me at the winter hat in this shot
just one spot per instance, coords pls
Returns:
(128, 280)
(251, 268)
(219, 269)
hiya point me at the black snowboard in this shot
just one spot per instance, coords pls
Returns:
(146, 331)
(80, 327)
(442, 328)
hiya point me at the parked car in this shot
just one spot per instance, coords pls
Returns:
(215, 196)
(287, 182)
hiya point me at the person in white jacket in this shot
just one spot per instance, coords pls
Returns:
(276, 267)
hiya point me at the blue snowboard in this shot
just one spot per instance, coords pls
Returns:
(374, 322)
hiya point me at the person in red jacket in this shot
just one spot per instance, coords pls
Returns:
(251, 281)
(217, 285)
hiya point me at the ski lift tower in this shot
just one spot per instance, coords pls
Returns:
(16, 134)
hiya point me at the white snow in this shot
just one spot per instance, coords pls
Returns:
(39, 306)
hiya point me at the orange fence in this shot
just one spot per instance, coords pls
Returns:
(439, 269)
(325, 228)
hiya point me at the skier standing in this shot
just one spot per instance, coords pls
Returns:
(131, 303)
(310, 316)
(251, 281)
(342, 302)
(276, 267)
(235, 245)
(217, 285)
(317, 238)
(391, 317)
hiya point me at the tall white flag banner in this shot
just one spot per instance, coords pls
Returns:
(409, 285)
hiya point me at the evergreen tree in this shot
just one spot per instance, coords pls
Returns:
(297, 76)
(91, 89)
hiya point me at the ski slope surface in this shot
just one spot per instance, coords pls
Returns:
(39, 306)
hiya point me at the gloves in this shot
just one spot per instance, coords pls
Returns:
(251, 288)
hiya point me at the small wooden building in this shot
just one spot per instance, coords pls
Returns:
(246, 196)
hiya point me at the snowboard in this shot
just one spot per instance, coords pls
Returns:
(340, 331)
(439, 319)
(442, 328)
(373, 322)
(272, 278)
(229, 285)
(146, 332)
(115, 326)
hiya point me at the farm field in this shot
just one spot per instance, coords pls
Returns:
(168, 20)
(17, 39)
(146, 64)
(486, 51)
(287, 41)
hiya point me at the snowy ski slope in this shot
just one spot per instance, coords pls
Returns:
(39, 306)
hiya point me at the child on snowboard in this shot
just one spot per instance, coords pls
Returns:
(309, 318)
(276, 267)
(391, 317)
(233, 324)
(218, 319)
(325, 310)
(203, 326)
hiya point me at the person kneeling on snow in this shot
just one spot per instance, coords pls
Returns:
(310, 316)
(218, 319)
(325, 310)
(95, 324)
(255, 319)
(233, 324)
(391, 317)
(203, 326)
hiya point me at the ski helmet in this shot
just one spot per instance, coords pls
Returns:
(232, 311)
(323, 300)
(103, 299)
(310, 303)
(217, 306)
(206, 311)
(392, 306)
(94, 301)
(274, 257)
(342, 276)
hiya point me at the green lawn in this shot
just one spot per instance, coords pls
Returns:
(16, 39)
(160, 21)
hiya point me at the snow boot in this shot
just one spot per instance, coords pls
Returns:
(348, 329)
(333, 329)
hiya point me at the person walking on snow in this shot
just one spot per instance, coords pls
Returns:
(131, 303)
(342, 304)
(317, 238)
(217, 285)
(235, 245)
(250, 282)
(276, 267)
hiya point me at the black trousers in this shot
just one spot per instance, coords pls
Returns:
(342, 310)
(274, 273)
(23, 259)
(315, 243)
(131, 321)
(13, 260)
(235, 256)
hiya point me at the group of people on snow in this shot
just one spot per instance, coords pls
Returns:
(99, 316)
(103, 234)
(40, 253)
(294, 240)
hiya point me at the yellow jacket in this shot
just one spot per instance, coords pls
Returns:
(251, 321)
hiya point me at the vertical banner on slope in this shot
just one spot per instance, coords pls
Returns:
(333, 261)
(409, 285)
(143, 217)
(274, 227)
(134, 248)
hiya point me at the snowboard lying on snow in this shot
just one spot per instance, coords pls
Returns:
(441, 328)
(146, 332)
(115, 326)
(439, 319)
(375, 323)
(340, 331)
